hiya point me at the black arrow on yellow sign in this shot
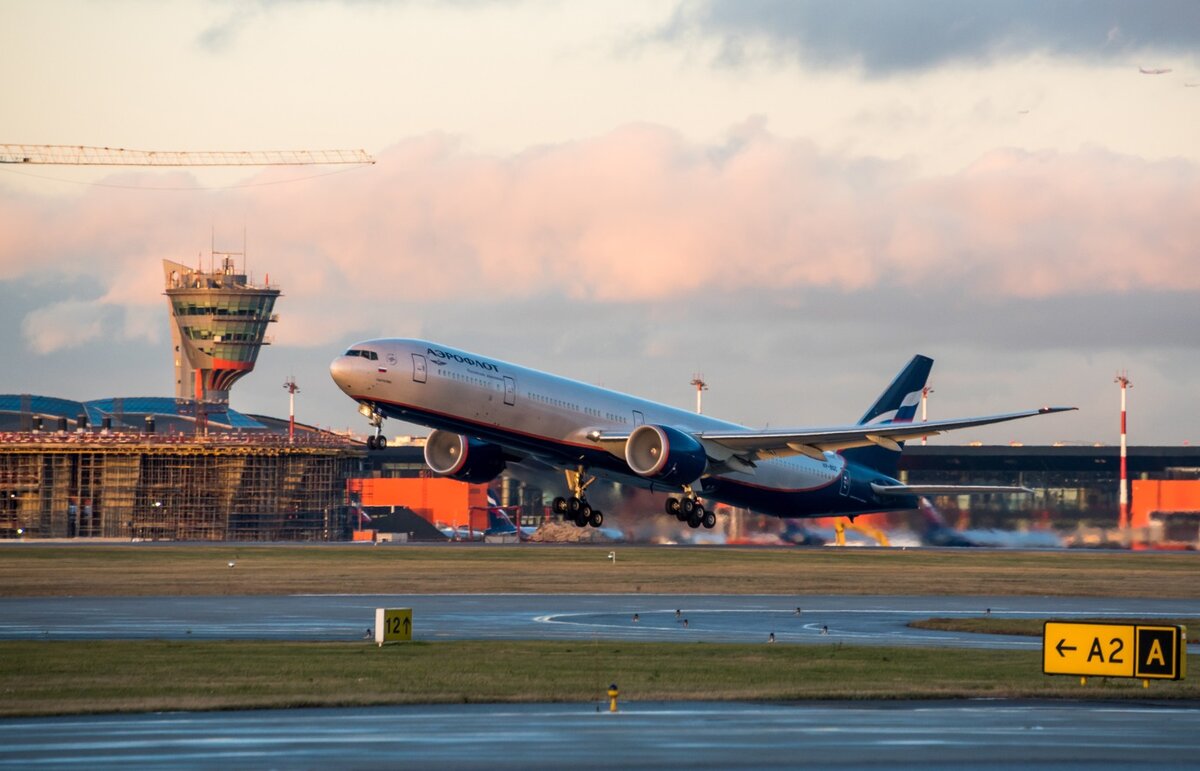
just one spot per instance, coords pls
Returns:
(1060, 648)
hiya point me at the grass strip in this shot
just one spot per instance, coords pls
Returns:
(51, 678)
(1032, 627)
(43, 570)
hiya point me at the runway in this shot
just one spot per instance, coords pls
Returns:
(847, 735)
(862, 620)
(976, 734)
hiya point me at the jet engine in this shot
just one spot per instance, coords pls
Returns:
(462, 457)
(665, 454)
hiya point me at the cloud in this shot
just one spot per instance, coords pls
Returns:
(887, 37)
(639, 216)
(66, 324)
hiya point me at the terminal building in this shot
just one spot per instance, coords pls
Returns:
(1074, 487)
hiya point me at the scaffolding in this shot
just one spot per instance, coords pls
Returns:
(146, 487)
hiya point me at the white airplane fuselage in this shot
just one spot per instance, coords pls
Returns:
(541, 417)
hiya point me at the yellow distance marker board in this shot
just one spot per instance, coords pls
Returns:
(1114, 650)
(393, 625)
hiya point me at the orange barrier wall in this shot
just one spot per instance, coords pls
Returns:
(437, 499)
(1149, 495)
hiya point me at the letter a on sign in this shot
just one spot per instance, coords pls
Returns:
(1160, 654)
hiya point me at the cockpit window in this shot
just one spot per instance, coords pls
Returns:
(371, 355)
(353, 352)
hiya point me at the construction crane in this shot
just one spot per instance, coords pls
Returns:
(82, 155)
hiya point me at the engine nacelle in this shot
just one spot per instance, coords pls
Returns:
(665, 454)
(462, 457)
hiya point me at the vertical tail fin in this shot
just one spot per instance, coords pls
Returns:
(897, 404)
(499, 521)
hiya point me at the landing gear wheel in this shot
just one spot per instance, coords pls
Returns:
(693, 520)
(559, 506)
(370, 443)
(574, 505)
(709, 520)
(672, 507)
(597, 518)
(381, 442)
(579, 519)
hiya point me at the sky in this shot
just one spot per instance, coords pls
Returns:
(789, 197)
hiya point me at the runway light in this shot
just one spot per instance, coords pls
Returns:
(612, 557)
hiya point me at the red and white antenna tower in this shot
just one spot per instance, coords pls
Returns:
(701, 386)
(290, 386)
(1122, 378)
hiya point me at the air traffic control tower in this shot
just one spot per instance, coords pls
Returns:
(220, 322)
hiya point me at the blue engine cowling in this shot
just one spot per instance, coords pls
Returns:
(462, 457)
(665, 455)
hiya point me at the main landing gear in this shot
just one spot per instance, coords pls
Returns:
(576, 508)
(689, 509)
(375, 418)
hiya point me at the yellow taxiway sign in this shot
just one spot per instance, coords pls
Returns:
(1114, 650)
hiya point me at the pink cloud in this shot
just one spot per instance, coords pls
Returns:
(637, 215)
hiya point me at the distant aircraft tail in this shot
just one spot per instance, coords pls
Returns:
(897, 404)
(499, 521)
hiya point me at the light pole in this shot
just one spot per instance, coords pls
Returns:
(1122, 379)
(701, 386)
(290, 386)
(925, 392)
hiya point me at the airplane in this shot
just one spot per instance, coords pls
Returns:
(1154, 70)
(500, 523)
(938, 532)
(485, 414)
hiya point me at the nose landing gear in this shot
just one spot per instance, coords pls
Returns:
(378, 441)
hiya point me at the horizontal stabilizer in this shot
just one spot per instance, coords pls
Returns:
(945, 489)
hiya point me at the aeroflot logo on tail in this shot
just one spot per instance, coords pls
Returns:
(484, 365)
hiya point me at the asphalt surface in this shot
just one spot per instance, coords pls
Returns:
(866, 620)
(975, 734)
(980, 734)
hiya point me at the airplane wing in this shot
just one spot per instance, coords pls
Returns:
(748, 445)
(815, 442)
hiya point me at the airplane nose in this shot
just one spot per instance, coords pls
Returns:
(340, 370)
